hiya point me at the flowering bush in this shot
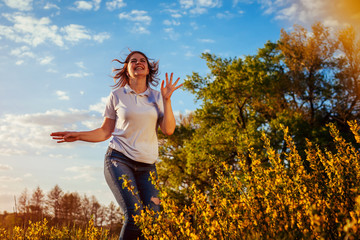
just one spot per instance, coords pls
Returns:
(40, 230)
(291, 198)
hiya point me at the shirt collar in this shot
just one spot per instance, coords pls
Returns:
(128, 89)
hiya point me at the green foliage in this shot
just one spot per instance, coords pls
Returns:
(302, 82)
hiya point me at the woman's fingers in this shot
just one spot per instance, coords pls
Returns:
(178, 86)
(171, 77)
(63, 137)
(167, 79)
(58, 133)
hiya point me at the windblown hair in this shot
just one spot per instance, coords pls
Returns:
(121, 77)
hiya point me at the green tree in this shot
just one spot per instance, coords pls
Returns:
(172, 165)
(297, 82)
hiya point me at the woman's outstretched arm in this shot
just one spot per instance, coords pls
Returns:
(168, 123)
(97, 135)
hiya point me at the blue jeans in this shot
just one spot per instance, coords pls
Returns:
(116, 165)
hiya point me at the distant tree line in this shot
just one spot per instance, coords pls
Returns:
(61, 209)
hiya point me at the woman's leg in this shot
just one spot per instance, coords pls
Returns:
(114, 170)
(149, 194)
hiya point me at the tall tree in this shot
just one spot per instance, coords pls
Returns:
(53, 201)
(23, 203)
(37, 203)
(96, 211)
(85, 209)
(70, 207)
(114, 217)
(296, 82)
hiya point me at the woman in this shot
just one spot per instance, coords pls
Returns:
(133, 113)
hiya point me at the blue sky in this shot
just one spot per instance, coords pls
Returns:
(56, 61)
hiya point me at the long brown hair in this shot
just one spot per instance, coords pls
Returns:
(121, 77)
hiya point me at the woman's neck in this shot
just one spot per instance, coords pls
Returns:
(138, 85)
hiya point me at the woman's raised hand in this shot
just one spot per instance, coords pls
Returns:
(65, 136)
(169, 88)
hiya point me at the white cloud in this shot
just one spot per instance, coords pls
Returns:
(5, 167)
(22, 5)
(32, 31)
(115, 4)
(205, 40)
(99, 107)
(228, 15)
(140, 29)
(62, 95)
(87, 5)
(92, 124)
(50, 6)
(174, 13)
(209, 3)
(140, 19)
(96, 4)
(75, 33)
(189, 54)
(171, 34)
(305, 12)
(77, 75)
(198, 10)
(83, 173)
(186, 3)
(22, 52)
(46, 60)
(136, 16)
(80, 65)
(29, 133)
(9, 179)
(171, 22)
(199, 6)
(7, 151)
(101, 37)
(20, 62)
(290, 12)
(51, 70)
(83, 5)
(194, 25)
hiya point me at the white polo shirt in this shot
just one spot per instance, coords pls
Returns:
(137, 120)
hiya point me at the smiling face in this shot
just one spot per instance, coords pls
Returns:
(137, 66)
